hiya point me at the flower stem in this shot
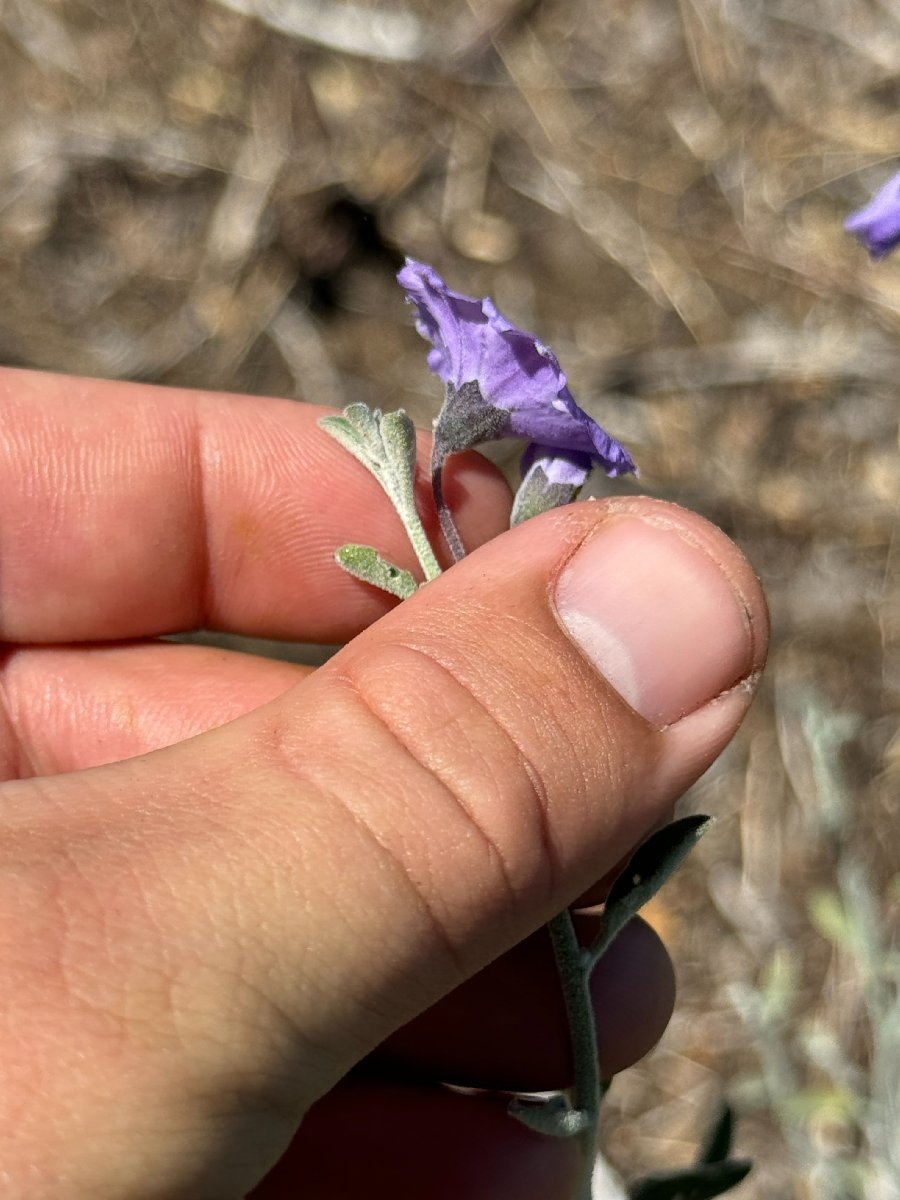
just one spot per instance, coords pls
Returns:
(415, 531)
(574, 976)
(451, 533)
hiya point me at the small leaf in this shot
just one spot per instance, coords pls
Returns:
(344, 432)
(398, 451)
(365, 563)
(358, 429)
(553, 1116)
(717, 1146)
(648, 869)
(398, 435)
(536, 494)
(700, 1182)
(365, 422)
(340, 429)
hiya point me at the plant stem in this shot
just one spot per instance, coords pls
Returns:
(451, 533)
(415, 531)
(574, 977)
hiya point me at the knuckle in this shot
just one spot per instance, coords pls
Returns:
(467, 781)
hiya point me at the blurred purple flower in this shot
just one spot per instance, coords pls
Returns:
(877, 225)
(502, 382)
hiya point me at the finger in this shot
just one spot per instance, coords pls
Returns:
(505, 1028)
(130, 510)
(256, 909)
(419, 1141)
(68, 708)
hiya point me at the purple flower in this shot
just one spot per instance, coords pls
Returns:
(878, 224)
(502, 382)
(521, 388)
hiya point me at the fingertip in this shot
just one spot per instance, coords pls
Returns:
(635, 980)
(664, 606)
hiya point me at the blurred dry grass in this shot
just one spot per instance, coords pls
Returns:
(192, 195)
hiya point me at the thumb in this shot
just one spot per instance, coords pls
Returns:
(236, 920)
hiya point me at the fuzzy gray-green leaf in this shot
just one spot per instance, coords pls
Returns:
(365, 422)
(365, 563)
(398, 448)
(553, 1116)
(700, 1182)
(648, 869)
(357, 430)
(398, 434)
(717, 1145)
(537, 494)
(342, 431)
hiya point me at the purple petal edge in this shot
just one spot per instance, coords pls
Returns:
(877, 224)
(518, 377)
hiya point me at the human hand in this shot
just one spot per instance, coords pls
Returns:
(201, 935)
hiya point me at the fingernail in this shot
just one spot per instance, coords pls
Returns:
(657, 615)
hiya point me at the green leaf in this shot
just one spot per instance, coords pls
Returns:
(648, 869)
(699, 1182)
(386, 446)
(537, 494)
(340, 429)
(398, 435)
(365, 563)
(358, 429)
(553, 1116)
(713, 1174)
(398, 446)
(717, 1146)
(349, 436)
(364, 421)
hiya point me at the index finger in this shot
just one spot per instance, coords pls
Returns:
(128, 510)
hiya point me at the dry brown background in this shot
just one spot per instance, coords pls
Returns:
(192, 195)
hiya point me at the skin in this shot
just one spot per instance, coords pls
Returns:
(232, 891)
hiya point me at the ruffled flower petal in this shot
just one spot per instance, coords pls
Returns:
(501, 380)
(559, 468)
(877, 225)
